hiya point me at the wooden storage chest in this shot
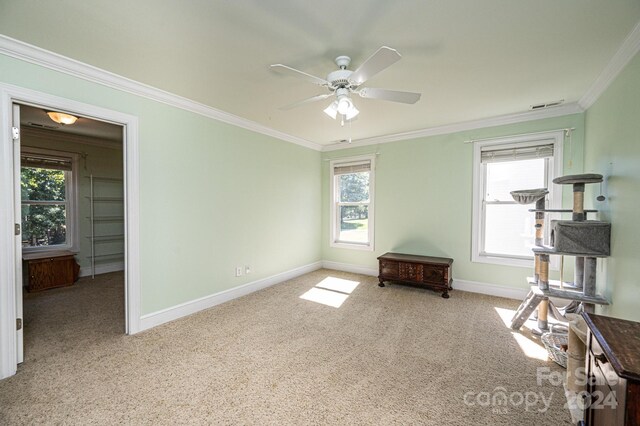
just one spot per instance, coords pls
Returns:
(45, 270)
(433, 272)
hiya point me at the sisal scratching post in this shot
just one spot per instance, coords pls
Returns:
(543, 314)
(540, 205)
(543, 284)
(576, 353)
(578, 202)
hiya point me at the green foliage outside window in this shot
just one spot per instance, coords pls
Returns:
(43, 224)
(354, 188)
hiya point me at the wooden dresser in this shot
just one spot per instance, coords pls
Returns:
(613, 371)
(44, 270)
(433, 272)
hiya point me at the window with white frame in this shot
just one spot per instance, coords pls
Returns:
(503, 230)
(352, 183)
(48, 193)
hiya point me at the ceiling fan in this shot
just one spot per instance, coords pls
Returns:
(342, 82)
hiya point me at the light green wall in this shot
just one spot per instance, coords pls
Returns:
(99, 161)
(212, 196)
(613, 150)
(423, 191)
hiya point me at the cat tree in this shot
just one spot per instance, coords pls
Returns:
(584, 239)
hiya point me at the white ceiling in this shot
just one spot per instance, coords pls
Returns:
(470, 59)
(35, 117)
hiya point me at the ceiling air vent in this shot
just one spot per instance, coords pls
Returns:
(547, 105)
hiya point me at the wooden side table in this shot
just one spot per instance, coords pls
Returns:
(45, 270)
(433, 272)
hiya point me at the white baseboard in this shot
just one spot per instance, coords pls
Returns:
(490, 289)
(175, 312)
(169, 314)
(463, 285)
(85, 271)
(347, 267)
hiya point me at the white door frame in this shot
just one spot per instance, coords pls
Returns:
(9, 95)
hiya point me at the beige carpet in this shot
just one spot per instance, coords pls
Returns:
(393, 355)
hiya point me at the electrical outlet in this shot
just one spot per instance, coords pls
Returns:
(247, 269)
(238, 271)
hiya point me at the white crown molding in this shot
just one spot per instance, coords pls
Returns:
(178, 311)
(520, 117)
(629, 48)
(35, 55)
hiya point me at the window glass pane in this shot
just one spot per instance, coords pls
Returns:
(354, 224)
(509, 229)
(42, 184)
(504, 177)
(43, 225)
(354, 187)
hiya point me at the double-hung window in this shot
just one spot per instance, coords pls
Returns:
(48, 200)
(352, 184)
(503, 230)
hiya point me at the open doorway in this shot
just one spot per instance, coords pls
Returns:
(102, 259)
(72, 230)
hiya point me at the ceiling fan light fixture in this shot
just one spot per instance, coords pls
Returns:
(61, 117)
(344, 105)
(342, 83)
(332, 110)
(353, 111)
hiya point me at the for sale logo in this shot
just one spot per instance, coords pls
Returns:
(602, 397)
(499, 399)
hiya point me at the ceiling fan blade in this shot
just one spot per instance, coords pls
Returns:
(390, 95)
(383, 58)
(283, 69)
(306, 101)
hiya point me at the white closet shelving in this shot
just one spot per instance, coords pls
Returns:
(106, 216)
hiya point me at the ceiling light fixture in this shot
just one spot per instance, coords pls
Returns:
(332, 110)
(343, 106)
(61, 117)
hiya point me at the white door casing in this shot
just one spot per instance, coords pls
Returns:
(10, 211)
(17, 200)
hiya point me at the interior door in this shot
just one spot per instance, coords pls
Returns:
(17, 202)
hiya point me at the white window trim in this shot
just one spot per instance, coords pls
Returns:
(71, 189)
(333, 214)
(555, 194)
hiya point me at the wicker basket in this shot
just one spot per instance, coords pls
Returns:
(553, 342)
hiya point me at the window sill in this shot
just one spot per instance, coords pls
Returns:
(510, 261)
(502, 260)
(354, 246)
(49, 248)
